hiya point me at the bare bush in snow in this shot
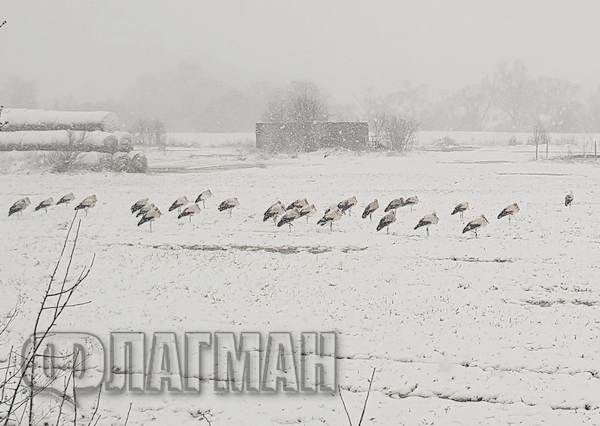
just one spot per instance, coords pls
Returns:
(62, 161)
(149, 132)
(66, 161)
(540, 136)
(21, 384)
(301, 101)
(2, 123)
(395, 132)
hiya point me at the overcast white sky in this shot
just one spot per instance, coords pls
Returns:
(95, 48)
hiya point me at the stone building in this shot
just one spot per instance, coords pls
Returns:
(298, 136)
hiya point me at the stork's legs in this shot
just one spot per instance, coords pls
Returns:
(371, 217)
(461, 216)
(330, 226)
(150, 226)
(290, 225)
(230, 212)
(427, 229)
(307, 219)
(203, 204)
(387, 229)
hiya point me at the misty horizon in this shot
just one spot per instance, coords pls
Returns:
(125, 56)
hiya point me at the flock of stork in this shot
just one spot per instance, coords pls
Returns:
(19, 206)
(299, 208)
(148, 212)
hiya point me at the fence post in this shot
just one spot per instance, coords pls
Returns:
(547, 141)
(595, 150)
(536, 149)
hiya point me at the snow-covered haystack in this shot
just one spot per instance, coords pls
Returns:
(37, 119)
(65, 140)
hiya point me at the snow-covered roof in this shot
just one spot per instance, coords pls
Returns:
(37, 119)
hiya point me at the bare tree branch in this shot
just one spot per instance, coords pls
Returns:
(344, 404)
(128, 411)
(29, 364)
(366, 398)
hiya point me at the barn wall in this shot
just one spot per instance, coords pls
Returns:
(294, 136)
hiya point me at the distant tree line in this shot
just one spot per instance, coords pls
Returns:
(509, 99)
(190, 98)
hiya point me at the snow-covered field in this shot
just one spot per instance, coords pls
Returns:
(503, 329)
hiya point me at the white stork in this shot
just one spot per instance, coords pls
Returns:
(138, 205)
(189, 211)
(229, 204)
(509, 211)
(66, 199)
(411, 201)
(298, 204)
(460, 208)
(476, 224)
(290, 216)
(275, 210)
(347, 204)
(179, 203)
(145, 209)
(19, 206)
(331, 215)
(569, 199)
(427, 221)
(150, 216)
(48, 202)
(203, 196)
(386, 221)
(87, 203)
(308, 211)
(371, 207)
(395, 204)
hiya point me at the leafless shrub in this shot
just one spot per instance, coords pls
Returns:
(138, 164)
(202, 415)
(300, 102)
(540, 136)
(394, 132)
(21, 385)
(62, 161)
(364, 408)
(149, 132)
(2, 123)
(66, 161)
(122, 162)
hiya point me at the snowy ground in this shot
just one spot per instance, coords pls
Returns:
(497, 330)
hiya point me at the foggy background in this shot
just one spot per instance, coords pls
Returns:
(220, 66)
